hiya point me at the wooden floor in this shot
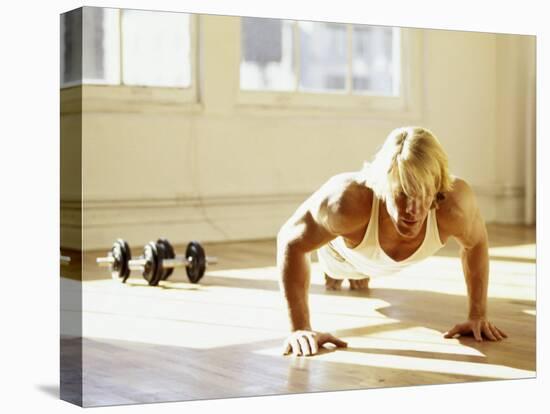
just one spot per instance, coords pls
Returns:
(222, 338)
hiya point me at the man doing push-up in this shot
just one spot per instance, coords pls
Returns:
(398, 210)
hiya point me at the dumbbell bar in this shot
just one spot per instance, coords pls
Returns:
(117, 260)
(159, 260)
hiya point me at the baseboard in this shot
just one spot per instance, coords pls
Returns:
(212, 219)
(222, 218)
(501, 204)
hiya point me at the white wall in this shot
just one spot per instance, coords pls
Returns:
(460, 105)
(220, 171)
(515, 109)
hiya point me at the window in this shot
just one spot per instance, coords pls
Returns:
(376, 60)
(286, 55)
(323, 57)
(156, 48)
(127, 47)
(320, 66)
(267, 54)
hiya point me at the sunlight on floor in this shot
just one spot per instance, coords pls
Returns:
(201, 317)
(214, 314)
(509, 279)
(523, 251)
(190, 334)
(418, 339)
(376, 351)
(427, 365)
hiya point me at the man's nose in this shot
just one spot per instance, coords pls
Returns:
(412, 206)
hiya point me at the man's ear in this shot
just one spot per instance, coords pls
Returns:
(439, 197)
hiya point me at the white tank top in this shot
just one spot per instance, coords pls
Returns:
(369, 258)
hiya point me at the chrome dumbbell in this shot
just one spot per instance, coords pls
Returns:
(117, 260)
(159, 260)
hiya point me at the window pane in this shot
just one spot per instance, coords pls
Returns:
(267, 54)
(375, 66)
(101, 45)
(156, 48)
(90, 47)
(71, 47)
(323, 56)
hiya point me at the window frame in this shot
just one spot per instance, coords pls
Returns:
(407, 104)
(108, 97)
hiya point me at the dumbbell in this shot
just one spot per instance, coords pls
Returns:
(159, 260)
(65, 260)
(194, 261)
(117, 260)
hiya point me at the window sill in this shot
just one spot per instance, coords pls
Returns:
(128, 99)
(323, 104)
(406, 107)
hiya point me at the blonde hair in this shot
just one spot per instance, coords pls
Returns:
(413, 161)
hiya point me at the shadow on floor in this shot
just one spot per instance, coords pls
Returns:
(51, 390)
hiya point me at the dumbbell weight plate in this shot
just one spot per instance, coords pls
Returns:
(195, 269)
(122, 254)
(169, 253)
(152, 272)
(127, 257)
(161, 252)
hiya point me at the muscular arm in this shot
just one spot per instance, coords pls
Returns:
(468, 227)
(295, 241)
(475, 264)
(325, 215)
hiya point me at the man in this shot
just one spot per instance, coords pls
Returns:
(399, 209)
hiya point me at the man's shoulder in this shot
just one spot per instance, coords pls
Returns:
(348, 201)
(347, 192)
(460, 197)
(458, 206)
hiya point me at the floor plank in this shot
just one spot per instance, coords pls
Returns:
(222, 337)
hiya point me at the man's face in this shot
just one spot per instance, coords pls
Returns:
(408, 213)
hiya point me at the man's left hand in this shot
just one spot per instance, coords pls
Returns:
(479, 328)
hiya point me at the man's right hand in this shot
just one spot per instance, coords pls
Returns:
(305, 343)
